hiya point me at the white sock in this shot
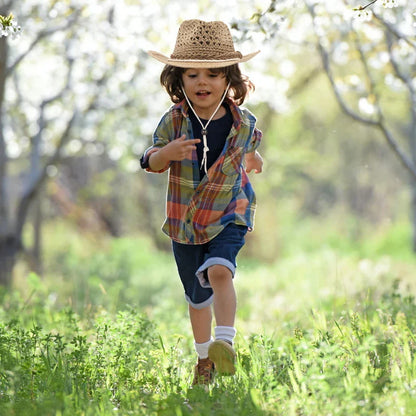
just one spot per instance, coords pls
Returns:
(202, 349)
(226, 333)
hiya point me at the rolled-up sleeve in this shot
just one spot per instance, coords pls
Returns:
(255, 140)
(161, 137)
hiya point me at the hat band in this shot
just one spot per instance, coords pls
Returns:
(206, 56)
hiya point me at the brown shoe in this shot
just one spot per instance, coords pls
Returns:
(223, 356)
(204, 372)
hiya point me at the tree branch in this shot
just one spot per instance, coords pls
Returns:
(312, 74)
(407, 81)
(370, 79)
(326, 62)
(395, 31)
(405, 161)
(380, 123)
(367, 5)
(37, 138)
(41, 35)
(399, 73)
(40, 177)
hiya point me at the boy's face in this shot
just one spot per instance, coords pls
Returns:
(204, 88)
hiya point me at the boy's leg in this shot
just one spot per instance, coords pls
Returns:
(217, 272)
(225, 301)
(188, 259)
(201, 320)
(221, 351)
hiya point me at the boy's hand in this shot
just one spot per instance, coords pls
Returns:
(254, 161)
(176, 150)
(180, 149)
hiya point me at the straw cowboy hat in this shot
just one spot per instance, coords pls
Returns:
(202, 44)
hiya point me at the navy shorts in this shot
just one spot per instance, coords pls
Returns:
(193, 262)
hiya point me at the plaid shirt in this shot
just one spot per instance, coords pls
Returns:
(197, 210)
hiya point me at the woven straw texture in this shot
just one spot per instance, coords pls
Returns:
(204, 41)
(202, 44)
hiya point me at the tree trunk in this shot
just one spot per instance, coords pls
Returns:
(9, 248)
(413, 216)
(37, 236)
(8, 245)
(3, 157)
(412, 141)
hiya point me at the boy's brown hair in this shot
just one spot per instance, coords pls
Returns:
(240, 85)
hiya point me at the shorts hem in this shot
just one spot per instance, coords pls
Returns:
(201, 305)
(212, 261)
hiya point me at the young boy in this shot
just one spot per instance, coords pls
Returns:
(204, 139)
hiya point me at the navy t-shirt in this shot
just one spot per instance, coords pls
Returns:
(218, 131)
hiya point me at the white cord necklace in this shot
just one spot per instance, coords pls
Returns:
(204, 130)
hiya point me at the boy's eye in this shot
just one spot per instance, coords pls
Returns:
(211, 75)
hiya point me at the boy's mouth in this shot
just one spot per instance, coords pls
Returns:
(202, 93)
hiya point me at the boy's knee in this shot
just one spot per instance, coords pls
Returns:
(219, 272)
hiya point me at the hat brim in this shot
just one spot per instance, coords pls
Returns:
(199, 63)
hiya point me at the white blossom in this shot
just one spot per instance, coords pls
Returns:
(9, 27)
(366, 106)
(390, 3)
(363, 15)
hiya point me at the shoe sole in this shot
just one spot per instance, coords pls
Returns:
(223, 356)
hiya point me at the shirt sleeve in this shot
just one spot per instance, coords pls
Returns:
(254, 141)
(161, 137)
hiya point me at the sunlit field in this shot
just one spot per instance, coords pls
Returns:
(320, 332)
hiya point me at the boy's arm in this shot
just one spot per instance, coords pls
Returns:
(252, 158)
(176, 150)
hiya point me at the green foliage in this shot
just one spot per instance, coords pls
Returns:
(321, 331)
(108, 273)
(6, 20)
(355, 361)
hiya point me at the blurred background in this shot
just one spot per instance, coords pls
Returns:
(79, 99)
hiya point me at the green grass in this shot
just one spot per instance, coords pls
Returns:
(359, 361)
(320, 332)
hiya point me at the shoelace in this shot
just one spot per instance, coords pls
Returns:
(204, 130)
